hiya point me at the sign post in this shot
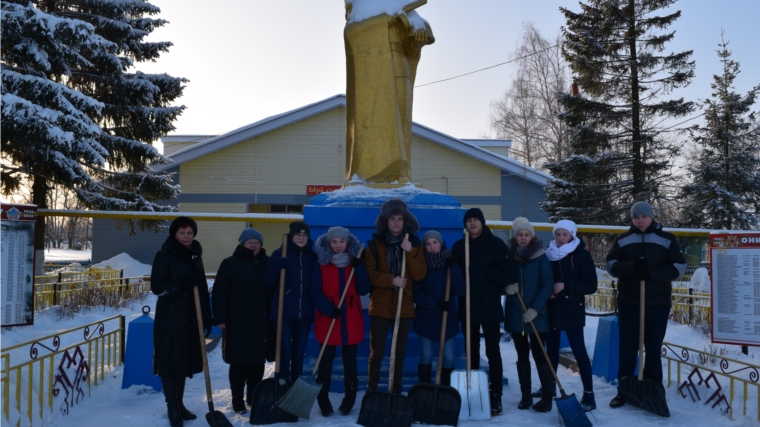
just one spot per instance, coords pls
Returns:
(17, 275)
(735, 292)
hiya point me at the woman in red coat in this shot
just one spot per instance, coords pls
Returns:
(337, 253)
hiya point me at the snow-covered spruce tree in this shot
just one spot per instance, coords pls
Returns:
(724, 192)
(615, 51)
(71, 113)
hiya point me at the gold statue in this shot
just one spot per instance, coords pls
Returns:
(382, 53)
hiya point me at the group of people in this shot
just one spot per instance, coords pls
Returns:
(551, 282)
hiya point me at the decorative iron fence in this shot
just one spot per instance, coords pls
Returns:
(33, 383)
(109, 292)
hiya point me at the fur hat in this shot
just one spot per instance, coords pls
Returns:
(181, 222)
(474, 213)
(568, 225)
(396, 207)
(432, 234)
(337, 232)
(299, 227)
(250, 233)
(522, 223)
(642, 208)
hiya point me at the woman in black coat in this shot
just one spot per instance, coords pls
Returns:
(574, 278)
(241, 308)
(177, 269)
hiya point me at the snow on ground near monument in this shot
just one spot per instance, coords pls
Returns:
(131, 267)
(67, 255)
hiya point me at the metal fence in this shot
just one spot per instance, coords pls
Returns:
(92, 287)
(57, 371)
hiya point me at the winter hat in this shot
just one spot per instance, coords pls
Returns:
(181, 222)
(474, 213)
(432, 234)
(393, 207)
(568, 225)
(337, 232)
(522, 223)
(299, 227)
(642, 208)
(250, 233)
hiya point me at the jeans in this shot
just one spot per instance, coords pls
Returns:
(526, 344)
(655, 324)
(491, 334)
(378, 335)
(295, 335)
(426, 351)
(578, 345)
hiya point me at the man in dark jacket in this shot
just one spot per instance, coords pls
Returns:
(489, 273)
(646, 254)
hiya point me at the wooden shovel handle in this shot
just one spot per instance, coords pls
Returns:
(468, 332)
(280, 303)
(443, 329)
(340, 304)
(391, 371)
(642, 297)
(541, 344)
(206, 374)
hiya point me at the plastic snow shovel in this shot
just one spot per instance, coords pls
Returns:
(270, 390)
(645, 394)
(381, 409)
(214, 418)
(471, 385)
(435, 403)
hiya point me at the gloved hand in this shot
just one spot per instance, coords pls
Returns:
(444, 305)
(511, 289)
(529, 315)
(641, 266)
(281, 263)
(335, 313)
(355, 262)
(450, 262)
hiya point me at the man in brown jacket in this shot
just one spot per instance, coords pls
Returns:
(384, 268)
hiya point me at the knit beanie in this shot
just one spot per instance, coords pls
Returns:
(568, 225)
(522, 223)
(337, 232)
(474, 213)
(250, 233)
(432, 234)
(299, 227)
(181, 222)
(642, 208)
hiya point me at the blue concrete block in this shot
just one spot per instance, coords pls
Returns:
(215, 330)
(606, 349)
(138, 357)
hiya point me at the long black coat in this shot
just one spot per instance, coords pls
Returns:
(489, 273)
(241, 303)
(567, 310)
(176, 344)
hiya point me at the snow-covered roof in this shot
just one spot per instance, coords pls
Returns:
(269, 124)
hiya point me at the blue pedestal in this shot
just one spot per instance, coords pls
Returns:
(606, 349)
(563, 342)
(138, 358)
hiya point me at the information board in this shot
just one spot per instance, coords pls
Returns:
(735, 292)
(17, 274)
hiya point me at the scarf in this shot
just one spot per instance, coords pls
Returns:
(437, 260)
(556, 253)
(341, 260)
(393, 243)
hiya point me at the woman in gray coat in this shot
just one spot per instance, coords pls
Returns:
(535, 283)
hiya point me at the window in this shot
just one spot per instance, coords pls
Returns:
(286, 209)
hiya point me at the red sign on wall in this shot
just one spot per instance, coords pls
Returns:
(318, 189)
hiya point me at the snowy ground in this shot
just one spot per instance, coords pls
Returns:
(109, 404)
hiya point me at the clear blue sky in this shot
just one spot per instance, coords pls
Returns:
(247, 59)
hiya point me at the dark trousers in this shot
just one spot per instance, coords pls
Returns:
(378, 335)
(245, 375)
(295, 335)
(350, 369)
(578, 345)
(491, 334)
(655, 325)
(526, 344)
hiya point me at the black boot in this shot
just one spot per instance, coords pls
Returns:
(349, 398)
(496, 408)
(184, 412)
(547, 388)
(424, 373)
(170, 396)
(237, 388)
(523, 375)
(323, 400)
(446, 376)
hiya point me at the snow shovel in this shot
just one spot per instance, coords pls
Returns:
(381, 409)
(570, 410)
(471, 385)
(435, 403)
(214, 418)
(270, 390)
(300, 398)
(645, 394)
